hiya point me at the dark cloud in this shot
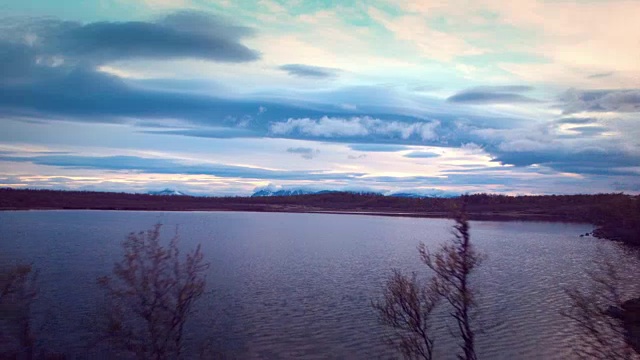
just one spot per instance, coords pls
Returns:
(305, 152)
(421, 155)
(309, 71)
(576, 121)
(166, 166)
(56, 72)
(106, 41)
(16, 61)
(575, 100)
(180, 35)
(85, 94)
(588, 161)
(204, 23)
(493, 95)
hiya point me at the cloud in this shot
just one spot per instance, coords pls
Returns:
(568, 145)
(592, 130)
(306, 153)
(378, 147)
(58, 70)
(576, 120)
(207, 132)
(186, 34)
(356, 157)
(86, 95)
(348, 107)
(354, 127)
(15, 61)
(167, 166)
(419, 35)
(309, 71)
(622, 186)
(421, 155)
(579, 161)
(575, 100)
(493, 95)
(91, 95)
(600, 75)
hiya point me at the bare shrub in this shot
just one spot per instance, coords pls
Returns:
(150, 296)
(406, 308)
(598, 310)
(408, 304)
(452, 264)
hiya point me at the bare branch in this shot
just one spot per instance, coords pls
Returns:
(407, 304)
(600, 316)
(406, 308)
(150, 295)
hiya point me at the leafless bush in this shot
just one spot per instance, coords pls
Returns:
(406, 308)
(452, 264)
(598, 311)
(408, 304)
(150, 296)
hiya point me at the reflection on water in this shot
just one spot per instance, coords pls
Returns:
(299, 285)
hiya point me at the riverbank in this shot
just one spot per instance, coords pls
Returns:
(616, 216)
(480, 207)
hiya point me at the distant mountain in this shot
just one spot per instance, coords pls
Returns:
(166, 192)
(283, 192)
(279, 191)
(407, 195)
(272, 191)
(425, 194)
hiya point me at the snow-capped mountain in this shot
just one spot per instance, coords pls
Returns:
(422, 193)
(166, 192)
(282, 192)
(425, 194)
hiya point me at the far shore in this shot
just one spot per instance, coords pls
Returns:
(169, 206)
(614, 216)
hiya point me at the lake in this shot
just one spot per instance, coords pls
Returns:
(285, 286)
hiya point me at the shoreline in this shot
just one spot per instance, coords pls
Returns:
(613, 216)
(500, 217)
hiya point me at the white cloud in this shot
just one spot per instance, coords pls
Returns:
(355, 127)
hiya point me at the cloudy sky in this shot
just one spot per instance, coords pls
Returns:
(223, 97)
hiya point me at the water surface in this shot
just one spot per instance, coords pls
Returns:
(299, 285)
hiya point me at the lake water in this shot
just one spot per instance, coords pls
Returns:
(286, 286)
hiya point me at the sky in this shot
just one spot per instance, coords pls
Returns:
(228, 97)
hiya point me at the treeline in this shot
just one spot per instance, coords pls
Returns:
(617, 216)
